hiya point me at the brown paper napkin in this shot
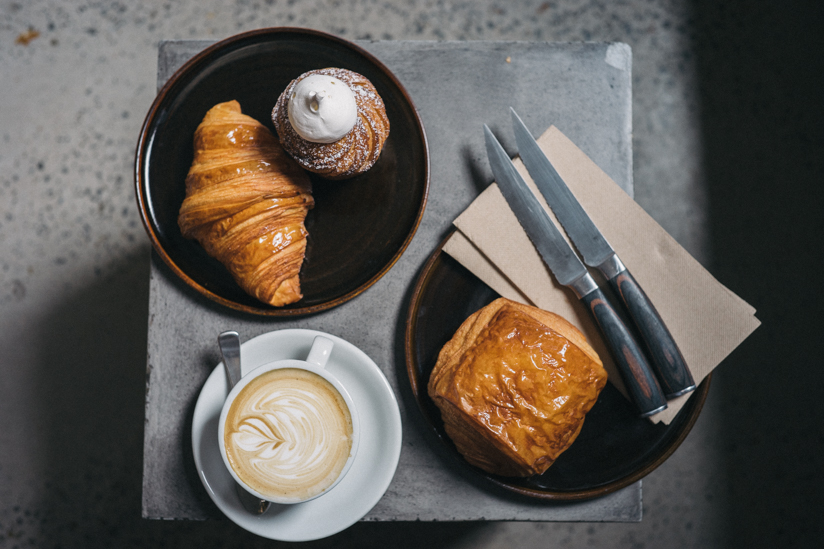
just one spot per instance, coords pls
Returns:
(706, 319)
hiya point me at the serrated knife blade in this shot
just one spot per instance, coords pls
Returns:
(545, 236)
(589, 241)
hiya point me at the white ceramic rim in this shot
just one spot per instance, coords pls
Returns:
(280, 365)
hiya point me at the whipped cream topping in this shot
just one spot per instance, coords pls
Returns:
(322, 108)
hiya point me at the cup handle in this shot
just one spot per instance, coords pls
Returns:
(320, 351)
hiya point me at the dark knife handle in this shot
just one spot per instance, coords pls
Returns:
(632, 364)
(667, 360)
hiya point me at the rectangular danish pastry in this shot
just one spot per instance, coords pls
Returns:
(513, 386)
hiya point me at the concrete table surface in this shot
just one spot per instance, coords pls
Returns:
(727, 141)
(583, 88)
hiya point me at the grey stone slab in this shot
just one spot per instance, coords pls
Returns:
(583, 88)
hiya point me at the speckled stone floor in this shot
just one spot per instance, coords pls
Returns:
(728, 141)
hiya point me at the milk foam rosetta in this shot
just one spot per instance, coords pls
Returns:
(288, 434)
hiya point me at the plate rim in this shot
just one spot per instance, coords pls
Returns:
(143, 143)
(419, 393)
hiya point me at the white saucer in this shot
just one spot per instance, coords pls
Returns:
(371, 472)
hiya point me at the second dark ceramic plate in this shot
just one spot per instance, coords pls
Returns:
(358, 228)
(615, 447)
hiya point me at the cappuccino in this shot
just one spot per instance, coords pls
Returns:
(288, 434)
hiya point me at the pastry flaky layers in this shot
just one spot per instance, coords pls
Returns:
(513, 386)
(350, 155)
(246, 201)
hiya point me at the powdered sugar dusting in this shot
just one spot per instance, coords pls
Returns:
(355, 152)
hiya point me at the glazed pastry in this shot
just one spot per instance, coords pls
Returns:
(513, 386)
(332, 122)
(246, 201)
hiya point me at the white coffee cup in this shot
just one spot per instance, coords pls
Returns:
(288, 433)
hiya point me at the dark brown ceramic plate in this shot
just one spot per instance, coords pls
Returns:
(615, 447)
(358, 228)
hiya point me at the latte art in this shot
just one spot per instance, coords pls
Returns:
(288, 434)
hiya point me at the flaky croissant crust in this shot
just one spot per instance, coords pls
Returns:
(245, 203)
(352, 154)
(513, 386)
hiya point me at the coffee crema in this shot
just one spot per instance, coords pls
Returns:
(288, 434)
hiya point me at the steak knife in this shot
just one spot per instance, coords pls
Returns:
(667, 361)
(569, 271)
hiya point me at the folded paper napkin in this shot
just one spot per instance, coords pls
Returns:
(706, 319)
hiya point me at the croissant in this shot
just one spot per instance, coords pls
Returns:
(245, 203)
(350, 155)
(513, 386)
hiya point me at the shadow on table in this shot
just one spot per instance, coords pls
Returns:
(92, 375)
(92, 371)
(760, 75)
